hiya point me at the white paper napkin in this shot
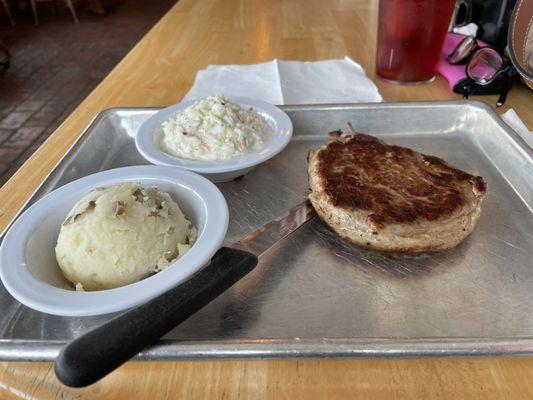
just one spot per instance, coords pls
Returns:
(513, 120)
(288, 82)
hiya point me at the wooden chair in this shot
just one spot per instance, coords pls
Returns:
(95, 4)
(69, 4)
(8, 12)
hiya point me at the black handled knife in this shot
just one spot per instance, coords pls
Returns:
(96, 353)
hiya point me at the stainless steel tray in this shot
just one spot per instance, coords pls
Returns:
(316, 296)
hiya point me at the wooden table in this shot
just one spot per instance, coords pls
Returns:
(159, 71)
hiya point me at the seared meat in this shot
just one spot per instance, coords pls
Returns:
(392, 198)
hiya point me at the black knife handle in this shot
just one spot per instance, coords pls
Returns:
(93, 355)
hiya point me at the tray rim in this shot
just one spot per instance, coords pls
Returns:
(38, 350)
(47, 350)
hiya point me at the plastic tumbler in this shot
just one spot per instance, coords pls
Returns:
(411, 34)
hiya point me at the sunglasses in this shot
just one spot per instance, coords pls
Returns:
(484, 67)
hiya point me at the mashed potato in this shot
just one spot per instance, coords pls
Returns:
(213, 129)
(121, 234)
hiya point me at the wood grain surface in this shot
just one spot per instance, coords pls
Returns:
(158, 72)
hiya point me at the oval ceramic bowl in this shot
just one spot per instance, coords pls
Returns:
(28, 266)
(148, 141)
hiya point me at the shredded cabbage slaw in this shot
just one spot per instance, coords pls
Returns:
(214, 129)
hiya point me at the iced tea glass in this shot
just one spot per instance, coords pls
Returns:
(411, 34)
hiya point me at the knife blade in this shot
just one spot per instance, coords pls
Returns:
(96, 353)
(265, 237)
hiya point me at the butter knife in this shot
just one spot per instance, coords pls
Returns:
(96, 353)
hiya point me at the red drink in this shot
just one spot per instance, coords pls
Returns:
(410, 38)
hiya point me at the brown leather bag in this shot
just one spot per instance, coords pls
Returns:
(521, 40)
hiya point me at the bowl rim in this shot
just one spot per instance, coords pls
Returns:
(145, 141)
(33, 292)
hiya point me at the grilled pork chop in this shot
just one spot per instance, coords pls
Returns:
(392, 198)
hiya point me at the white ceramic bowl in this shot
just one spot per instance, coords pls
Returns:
(28, 266)
(148, 141)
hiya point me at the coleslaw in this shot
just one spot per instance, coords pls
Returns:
(214, 129)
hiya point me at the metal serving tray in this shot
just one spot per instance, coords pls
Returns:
(314, 295)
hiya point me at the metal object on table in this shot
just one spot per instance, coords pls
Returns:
(262, 239)
(98, 352)
(313, 295)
